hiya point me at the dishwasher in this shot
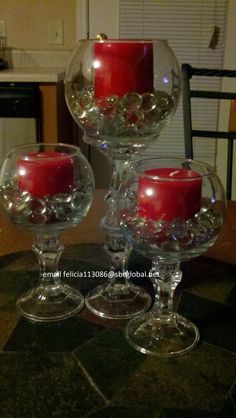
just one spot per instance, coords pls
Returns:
(19, 115)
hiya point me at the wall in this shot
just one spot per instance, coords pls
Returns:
(104, 17)
(227, 85)
(27, 22)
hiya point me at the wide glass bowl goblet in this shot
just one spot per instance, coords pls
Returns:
(45, 189)
(171, 210)
(121, 93)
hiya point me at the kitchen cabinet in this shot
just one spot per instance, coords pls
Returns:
(54, 116)
(55, 122)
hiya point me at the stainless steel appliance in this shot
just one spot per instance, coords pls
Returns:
(19, 115)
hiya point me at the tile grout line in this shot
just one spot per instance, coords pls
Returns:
(90, 339)
(91, 381)
(219, 347)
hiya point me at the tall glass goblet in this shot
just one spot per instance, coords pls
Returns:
(45, 189)
(121, 93)
(171, 210)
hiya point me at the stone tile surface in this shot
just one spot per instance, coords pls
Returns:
(8, 321)
(44, 385)
(84, 368)
(216, 321)
(63, 336)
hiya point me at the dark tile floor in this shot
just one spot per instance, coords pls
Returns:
(83, 367)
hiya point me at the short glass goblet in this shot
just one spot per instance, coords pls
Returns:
(171, 210)
(46, 189)
(122, 93)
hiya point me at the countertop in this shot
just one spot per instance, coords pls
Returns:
(32, 74)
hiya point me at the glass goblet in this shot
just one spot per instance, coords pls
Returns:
(45, 189)
(122, 93)
(171, 210)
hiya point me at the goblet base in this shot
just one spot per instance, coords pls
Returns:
(118, 300)
(50, 303)
(162, 335)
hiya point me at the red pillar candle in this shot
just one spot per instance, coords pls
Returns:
(121, 67)
(173, 194)
(45, 173)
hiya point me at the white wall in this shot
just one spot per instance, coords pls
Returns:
(27, 23)
(104, 17)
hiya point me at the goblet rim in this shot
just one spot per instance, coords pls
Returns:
(30, 146)
(206, 169)
(124, 40)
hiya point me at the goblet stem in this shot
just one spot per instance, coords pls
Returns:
(118, 298)
(110, 223)
(165, 280)
(51, 300)
(48, 251)
(155, 275)
(162, 331)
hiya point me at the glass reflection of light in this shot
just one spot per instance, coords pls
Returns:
(149, 192)
(96, 64)
(22, 171)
